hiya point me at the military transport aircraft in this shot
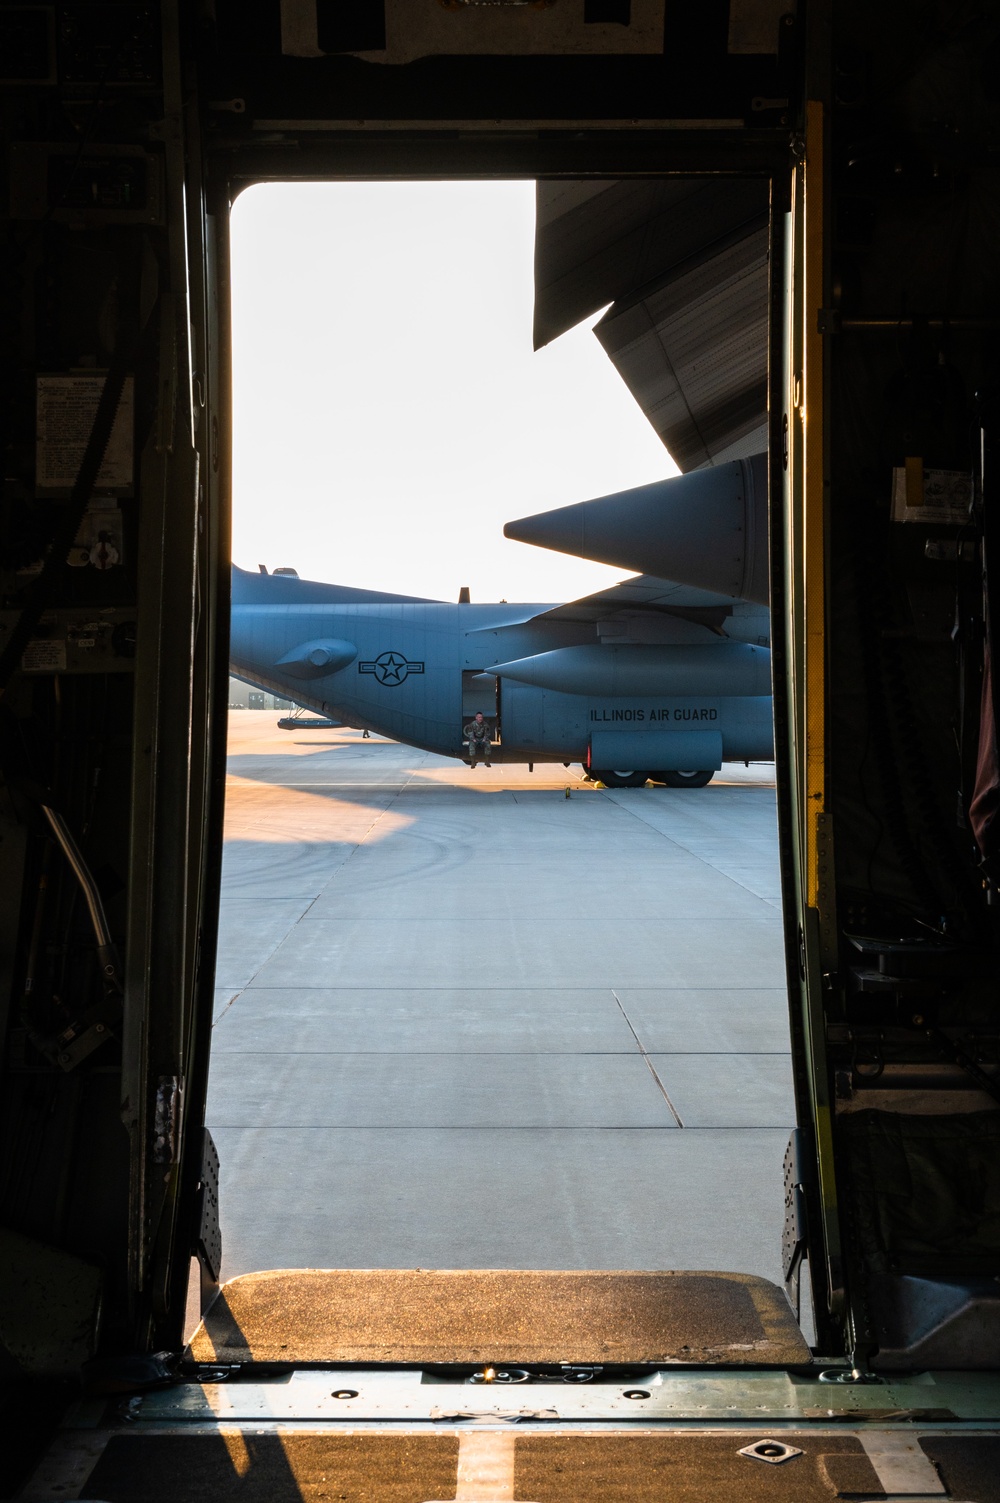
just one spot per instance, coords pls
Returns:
(661, 677)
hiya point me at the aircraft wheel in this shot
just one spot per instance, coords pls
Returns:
(685, 779)
(616, 779)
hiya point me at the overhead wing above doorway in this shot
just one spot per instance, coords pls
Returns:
(683, 264)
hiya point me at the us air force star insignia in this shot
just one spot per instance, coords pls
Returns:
(390, 668)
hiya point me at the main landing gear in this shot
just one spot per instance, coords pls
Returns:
(620, 778)
(684, 779)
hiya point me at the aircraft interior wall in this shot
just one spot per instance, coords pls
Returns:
(875, 130)
(902, 926)
(110, 652)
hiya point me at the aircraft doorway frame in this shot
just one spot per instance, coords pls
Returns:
(593, 153)
(145, 119)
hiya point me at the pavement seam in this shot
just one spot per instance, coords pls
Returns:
(509, 1053)
(674, 840)
(376, 1205)
(228, 1005)
(422, 1127)
(356, 846)
(271, 953)
(269, 956)
(281, 986)
(649, 1063)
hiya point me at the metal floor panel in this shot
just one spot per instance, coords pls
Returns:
(502, 1465)
(671, 1397)
(234, 1465)
(495, 1315)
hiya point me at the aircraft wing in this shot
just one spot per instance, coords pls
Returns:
(644, 593)
(683, 264)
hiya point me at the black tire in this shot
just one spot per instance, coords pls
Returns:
(616, 779)
(685, 779)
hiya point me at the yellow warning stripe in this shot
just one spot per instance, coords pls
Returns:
(813, 497)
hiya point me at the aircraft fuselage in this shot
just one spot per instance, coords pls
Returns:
(420, 670)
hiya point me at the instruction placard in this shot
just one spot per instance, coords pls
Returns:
(44, 655)
(944, 496)
(65, 412)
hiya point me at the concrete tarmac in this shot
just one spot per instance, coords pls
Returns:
(465, 1022)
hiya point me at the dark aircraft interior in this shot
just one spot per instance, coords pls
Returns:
(791, 211)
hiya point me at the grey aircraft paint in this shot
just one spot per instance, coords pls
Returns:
(703, 668)
(419, 668)
(653, 674)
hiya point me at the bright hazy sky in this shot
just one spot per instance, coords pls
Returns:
(390, 414)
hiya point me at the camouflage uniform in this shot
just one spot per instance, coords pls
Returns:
(477, 733)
